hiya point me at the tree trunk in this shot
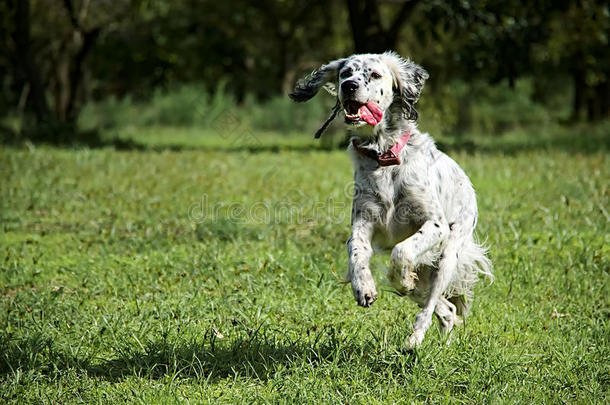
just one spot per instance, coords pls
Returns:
(365, 21)
(70, 81)
(368, 32)
(602, 100)
(77, 75)
(578, 101)
(25, 61)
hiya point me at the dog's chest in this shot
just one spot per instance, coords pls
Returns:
(396, 215)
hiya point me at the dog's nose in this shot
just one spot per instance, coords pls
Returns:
(349, 86)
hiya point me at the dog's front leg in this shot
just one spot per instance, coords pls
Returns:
(359, 252)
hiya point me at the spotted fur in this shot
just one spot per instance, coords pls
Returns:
(424, 209)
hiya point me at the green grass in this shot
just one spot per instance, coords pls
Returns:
(213, 275)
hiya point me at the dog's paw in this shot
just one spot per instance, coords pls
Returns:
(414, 341)
(364, 291)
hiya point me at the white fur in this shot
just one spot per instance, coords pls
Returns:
(424, 209)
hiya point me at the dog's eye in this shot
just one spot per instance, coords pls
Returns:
(375, 75)
(345, 73)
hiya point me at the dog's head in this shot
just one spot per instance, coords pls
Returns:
(370, 88)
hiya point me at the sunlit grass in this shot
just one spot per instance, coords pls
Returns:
(213, 275)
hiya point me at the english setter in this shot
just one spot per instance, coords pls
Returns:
(408, 196)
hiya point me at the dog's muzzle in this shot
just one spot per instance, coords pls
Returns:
(356, 112)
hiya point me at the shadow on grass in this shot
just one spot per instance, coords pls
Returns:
(581, 138)
(64, 136)
(254, 354)
(70, 138)
(567, 141)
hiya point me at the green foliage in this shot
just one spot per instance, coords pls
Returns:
(284, 115)
(193, 106)
(157, 277)
(456, 108)
(132, 48)
(186, 105)
(496, 109)
(578, 37)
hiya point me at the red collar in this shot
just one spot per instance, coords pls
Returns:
(388, 158)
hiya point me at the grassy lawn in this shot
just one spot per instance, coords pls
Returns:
(213, 275)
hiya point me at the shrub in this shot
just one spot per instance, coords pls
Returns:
(458, 107)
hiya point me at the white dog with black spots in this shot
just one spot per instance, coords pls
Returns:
(408, 196)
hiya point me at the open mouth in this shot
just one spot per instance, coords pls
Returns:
(359, 113)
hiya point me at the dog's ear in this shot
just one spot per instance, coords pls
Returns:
(408, 79)
(308, 87)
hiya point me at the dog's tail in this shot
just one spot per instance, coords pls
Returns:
(472, 263)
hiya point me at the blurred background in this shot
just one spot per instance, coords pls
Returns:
(99, 71)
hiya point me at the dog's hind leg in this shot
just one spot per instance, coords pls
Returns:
(440, 280)
(446, 313)
(462, 305)
(408, 254)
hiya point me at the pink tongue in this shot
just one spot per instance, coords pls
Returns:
(371, 113)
